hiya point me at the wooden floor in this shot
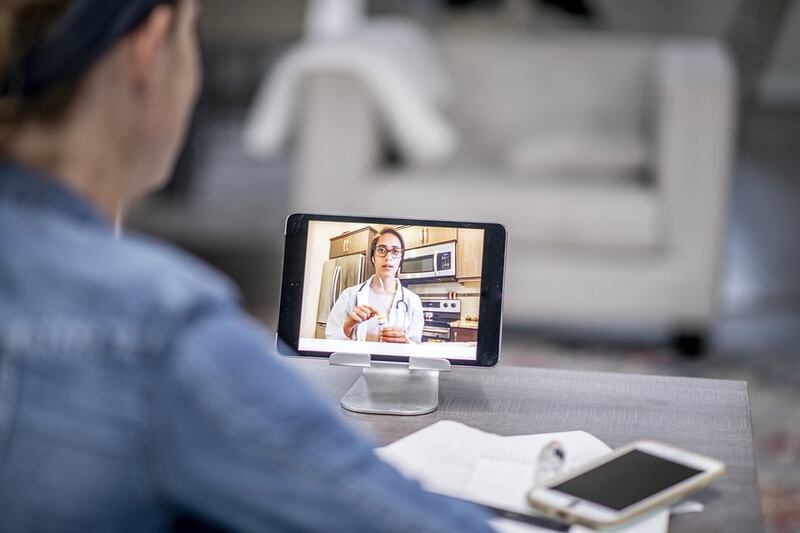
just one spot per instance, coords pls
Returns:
(761, 284)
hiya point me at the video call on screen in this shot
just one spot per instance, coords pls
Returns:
(420, 287)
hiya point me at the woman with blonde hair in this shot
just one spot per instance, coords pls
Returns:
(133, 389)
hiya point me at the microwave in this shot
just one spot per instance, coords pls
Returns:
(429, 263)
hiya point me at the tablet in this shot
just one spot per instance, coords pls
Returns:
(392, 288)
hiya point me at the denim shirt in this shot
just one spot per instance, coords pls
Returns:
(133, 389)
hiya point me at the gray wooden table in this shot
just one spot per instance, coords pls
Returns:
(706, 415)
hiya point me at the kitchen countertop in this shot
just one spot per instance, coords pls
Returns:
(468, 324)
(438, 350)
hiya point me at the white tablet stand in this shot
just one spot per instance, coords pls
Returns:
(392, 388)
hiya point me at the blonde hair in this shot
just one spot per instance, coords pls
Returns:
(22, 24)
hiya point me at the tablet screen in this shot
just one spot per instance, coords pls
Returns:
(391, 288)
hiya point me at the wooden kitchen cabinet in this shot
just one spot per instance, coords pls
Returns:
(463, 334)
(469, 254)
(355, 242)
(437, 235)
(412, 236)
(416, 236)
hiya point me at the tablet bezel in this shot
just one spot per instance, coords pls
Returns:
(491, 291)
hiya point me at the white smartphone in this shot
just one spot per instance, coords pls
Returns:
(631, 480)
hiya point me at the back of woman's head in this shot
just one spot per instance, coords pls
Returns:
(23, 23)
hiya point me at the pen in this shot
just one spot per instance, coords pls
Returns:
(535, 520)
(539, 521)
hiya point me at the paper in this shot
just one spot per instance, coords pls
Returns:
(454, 459)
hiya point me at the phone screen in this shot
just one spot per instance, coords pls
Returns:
(626, 480)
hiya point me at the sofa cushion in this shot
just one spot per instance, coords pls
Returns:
(599, 214)
(578, 154)
(585, 212)
(512, 86)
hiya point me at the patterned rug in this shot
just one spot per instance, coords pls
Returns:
(774, 387)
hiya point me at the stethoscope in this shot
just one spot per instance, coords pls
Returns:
(402, 299)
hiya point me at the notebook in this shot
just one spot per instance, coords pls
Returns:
(457, 460)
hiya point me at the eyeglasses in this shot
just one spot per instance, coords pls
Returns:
(382, 250)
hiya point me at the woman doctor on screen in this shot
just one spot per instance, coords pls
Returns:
(359, 309)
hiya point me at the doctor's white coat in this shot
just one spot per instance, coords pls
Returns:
(410, 320)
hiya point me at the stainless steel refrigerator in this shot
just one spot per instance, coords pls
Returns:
(337, 275)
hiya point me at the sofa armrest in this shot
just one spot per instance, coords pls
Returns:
(338, 143)
(694, 148)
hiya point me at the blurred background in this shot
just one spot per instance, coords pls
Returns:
(642, 154)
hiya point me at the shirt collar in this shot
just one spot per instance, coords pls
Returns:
(24, 185)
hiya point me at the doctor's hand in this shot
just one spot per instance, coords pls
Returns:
(393, 334)
(359, 314)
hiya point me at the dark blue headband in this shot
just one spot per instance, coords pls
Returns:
(86, 30)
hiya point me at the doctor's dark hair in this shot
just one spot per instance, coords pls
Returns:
(380, 234)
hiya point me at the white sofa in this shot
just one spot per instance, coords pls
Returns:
(608, 159)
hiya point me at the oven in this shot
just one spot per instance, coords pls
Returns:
(429, 263)
(438, 314)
